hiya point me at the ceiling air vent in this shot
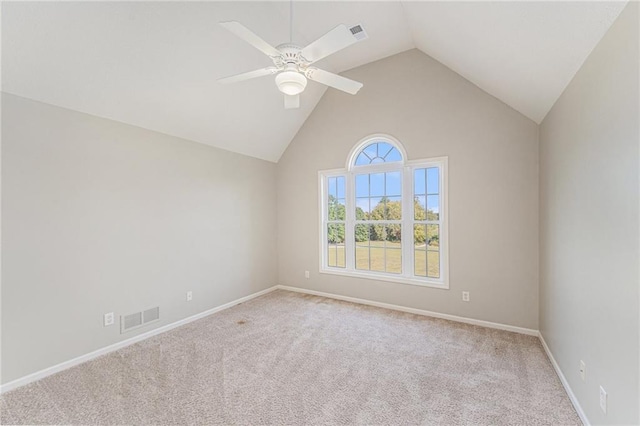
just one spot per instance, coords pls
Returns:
(138, 319)
(358, 32)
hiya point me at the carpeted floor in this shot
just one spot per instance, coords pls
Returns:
(292, 359)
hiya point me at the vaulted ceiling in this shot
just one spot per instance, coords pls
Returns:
(155, 64)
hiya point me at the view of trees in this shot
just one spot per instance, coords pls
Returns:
(384, 210)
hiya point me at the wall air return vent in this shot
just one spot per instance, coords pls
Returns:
(138, 319)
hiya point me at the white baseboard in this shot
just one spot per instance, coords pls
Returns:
(87, 357)
(456, 318)
(565, 383)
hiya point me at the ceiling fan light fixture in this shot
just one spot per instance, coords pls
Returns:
(291, 82)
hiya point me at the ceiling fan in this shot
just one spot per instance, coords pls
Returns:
(291, 63)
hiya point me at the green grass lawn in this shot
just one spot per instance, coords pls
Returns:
(373, 256)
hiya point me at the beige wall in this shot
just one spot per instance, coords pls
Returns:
(493, 186)
(99, 216)
(589, 226)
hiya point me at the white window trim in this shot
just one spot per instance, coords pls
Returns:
(406, 277)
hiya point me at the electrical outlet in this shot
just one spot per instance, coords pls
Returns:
(465, 296)
(603, 400)
(108, 319)
(189, 296)
(306, 274)
(583, 370)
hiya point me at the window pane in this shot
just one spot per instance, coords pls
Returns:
(331, 186)
(371, 150)
(433, 207)
(362, 208)
(420, 236)
(376, 182)
(433, 237)
(362, 159)
(336, 208)
(340, 187)
(335, 233)
(393, 184)
(394, 235)
(433, 264)
(393, 155)
(393, 249)
(341, 256)
(362, 235)
(420, 263)
(377, 208)
(394, 261)
(335, 246)
(419, 208)
(393, 208)
(336, 198)
(377, 235)
(419, 181)
(420, 250)
(362, 257)
(433, 180)
(331, 255)
(341, 212)
(362, 246)
(383, 149)
(376, 252)
(362, 185)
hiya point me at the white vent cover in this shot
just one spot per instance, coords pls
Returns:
(151, 315)
(138, 319)
(358, 32)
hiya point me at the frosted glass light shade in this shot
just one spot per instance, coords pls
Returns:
(291, 82)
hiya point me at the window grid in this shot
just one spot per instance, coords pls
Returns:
(335, 226)
(375, 153)
(433, 229)
(391, 255)
(426, 222)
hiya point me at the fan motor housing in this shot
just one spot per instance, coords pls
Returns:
(290, 54)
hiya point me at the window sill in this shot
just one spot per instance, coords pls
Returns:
(443, 285)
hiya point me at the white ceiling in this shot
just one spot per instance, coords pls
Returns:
(154, 64)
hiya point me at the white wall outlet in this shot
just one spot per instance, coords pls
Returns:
(189, 296)
(603, 400)
(583, 370)
(465, 296)
(108, 319)
(306, 274)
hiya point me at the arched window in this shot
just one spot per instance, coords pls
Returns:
(385, 217)
(378, 152)
(376, 149)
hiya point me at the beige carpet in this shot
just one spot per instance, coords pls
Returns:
(291, 359)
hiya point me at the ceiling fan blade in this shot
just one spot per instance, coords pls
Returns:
(250, 37)
(248, 75)
(291, 101)
(333, 41)
(334, 80)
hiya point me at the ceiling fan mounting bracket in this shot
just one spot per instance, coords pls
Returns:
(289, 54)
